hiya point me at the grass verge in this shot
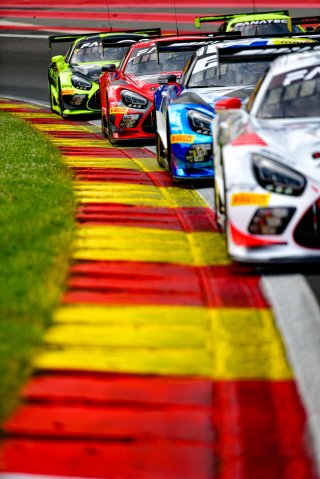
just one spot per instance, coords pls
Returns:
(36, 222)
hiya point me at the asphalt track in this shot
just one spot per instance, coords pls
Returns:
(163, 361)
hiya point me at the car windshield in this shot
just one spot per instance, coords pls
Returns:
(94, 52)
(144, 61)
(293, 95)
(207, 73)
(259, 28)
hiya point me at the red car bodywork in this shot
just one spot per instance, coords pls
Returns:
(123, 118)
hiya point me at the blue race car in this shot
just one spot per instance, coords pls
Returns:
(185, 108)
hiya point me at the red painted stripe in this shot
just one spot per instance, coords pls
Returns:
(113, 423)
(121, 175)
(159, 460)
(193, 219)
(108, 389)
(70, 134)
(243, 423)
(49, 121)
(147, 283)
(92, 151)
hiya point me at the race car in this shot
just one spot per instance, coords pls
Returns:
(185, 109)
(273, 22)
(73, 79)
(267, 164)
(127, 92)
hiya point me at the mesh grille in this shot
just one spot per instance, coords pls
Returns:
(307, 232)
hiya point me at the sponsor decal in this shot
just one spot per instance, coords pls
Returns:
(118, 109)
(258, 22)
(250, 199)
(287, 41)
(68, 91)
(181, 138)
(96, 43)
(304, 74)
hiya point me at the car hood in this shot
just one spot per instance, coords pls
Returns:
(90, 70)
(212, 95)
(297, 142)
(147, 83)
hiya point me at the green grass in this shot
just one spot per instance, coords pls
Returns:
(36, 228)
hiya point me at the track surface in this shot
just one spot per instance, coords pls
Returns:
(38, 15)
(163, 361)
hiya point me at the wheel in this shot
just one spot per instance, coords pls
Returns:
(106, 127)
(50, 98)
(61, 104)
(219, 210)
(169, 152)
(161, 155)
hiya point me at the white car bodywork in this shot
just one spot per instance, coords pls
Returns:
(267, 167)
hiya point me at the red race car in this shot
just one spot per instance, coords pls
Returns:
(127, 92)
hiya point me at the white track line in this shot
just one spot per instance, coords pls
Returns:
(297, 315)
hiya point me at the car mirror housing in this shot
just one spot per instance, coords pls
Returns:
(165, 79)
(231, 103)
(57, 58)
(109, 68)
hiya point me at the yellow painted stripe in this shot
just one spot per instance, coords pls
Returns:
(59, 127)
(143, 195)
(247, 345)
(80, 142)
(144, 361)
(214, 343)
(123, 243)
(145, 164)
(136, 315)
(36, 114)
(18, 106)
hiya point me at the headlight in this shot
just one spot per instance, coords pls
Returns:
(133, 100)
(277, 178)
(80, 82)
(199, 122)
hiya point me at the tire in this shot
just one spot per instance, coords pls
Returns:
(50, 98)
(161, 157)
(169, 152)
(220, 215)
(104, 127)
(61, 105)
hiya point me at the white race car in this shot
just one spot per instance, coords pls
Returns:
(267, 165)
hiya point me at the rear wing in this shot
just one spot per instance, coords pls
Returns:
(178, 44)
(121, 40)
(261, 53)
(224, 18)
(311, 35)
(147, 32)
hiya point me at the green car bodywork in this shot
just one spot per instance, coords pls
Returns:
(73, 79)
(252, 23)
(261, 23)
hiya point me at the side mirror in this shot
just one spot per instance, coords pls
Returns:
(231, 103)
(165, 79)
(109, 68)
(57, 58)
